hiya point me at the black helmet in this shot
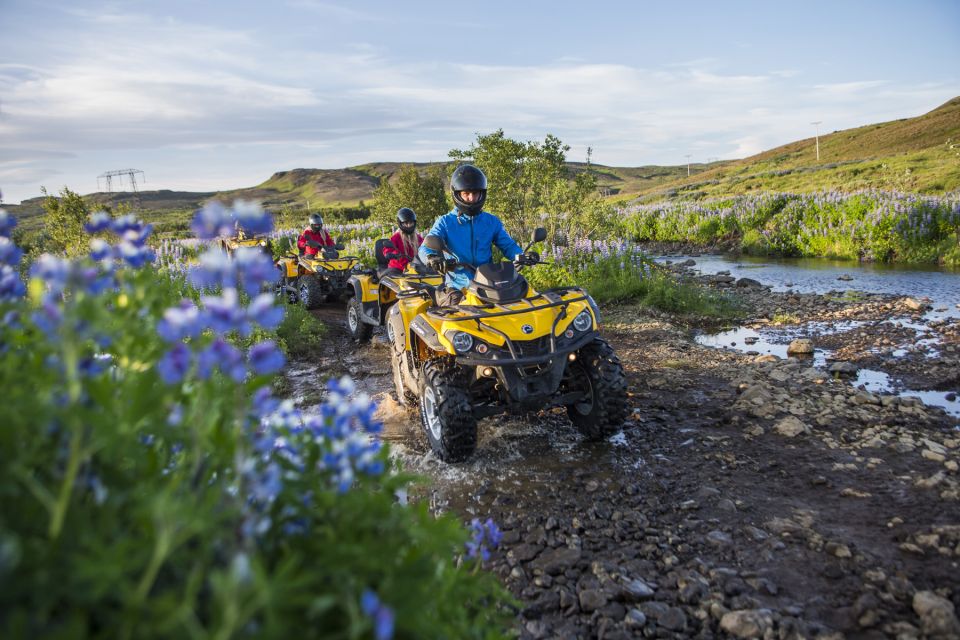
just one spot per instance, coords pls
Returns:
(406, 219)
(467, 177)
(316, 222)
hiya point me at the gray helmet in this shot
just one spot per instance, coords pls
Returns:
(467, 177)
(316, 222)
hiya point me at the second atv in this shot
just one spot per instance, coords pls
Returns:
(373, 292)
(505, 347)
(316, 279)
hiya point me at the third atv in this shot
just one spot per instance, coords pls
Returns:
(505, 347)
(317, 278)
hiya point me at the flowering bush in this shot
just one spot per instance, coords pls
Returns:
(153, 487)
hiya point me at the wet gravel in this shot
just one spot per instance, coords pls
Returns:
(747, 496)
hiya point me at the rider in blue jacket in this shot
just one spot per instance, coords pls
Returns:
(467, 231)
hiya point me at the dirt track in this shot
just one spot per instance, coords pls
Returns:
(744, 498)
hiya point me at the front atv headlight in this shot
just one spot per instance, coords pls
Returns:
(583, 321)
(263, 243)
(462, 341)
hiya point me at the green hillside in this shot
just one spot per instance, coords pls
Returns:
(919, 154)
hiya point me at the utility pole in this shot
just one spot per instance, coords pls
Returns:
(132, 173)
(817, 125)
(688, 164)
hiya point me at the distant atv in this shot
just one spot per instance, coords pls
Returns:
(374, 293)
(229, 245)
(314, 280)
(506, 347)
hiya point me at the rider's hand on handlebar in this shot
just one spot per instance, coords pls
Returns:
(437, 263)
(527, 259)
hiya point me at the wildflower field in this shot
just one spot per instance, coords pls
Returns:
(868, 225)
(153, 485)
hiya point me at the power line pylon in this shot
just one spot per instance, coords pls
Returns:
(132, 173)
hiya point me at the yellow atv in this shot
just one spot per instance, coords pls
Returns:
(315, 279)
(505, 347)
(373, 292)
(229, 245)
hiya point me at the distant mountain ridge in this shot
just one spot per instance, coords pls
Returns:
(919, 154)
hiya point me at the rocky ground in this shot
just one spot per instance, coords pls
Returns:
(747, 496)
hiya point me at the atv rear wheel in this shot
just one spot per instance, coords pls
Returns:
(398, 361)
(445, 412)
(311, 293)
(359, 330)
(604, 409)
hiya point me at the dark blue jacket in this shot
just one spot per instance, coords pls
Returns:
(469, 239)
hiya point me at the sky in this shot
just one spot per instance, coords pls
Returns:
(203, 96)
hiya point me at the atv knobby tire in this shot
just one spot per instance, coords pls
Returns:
(311, 293)
(445, 412)
(399, 361)
(359, 330)
(604, 411)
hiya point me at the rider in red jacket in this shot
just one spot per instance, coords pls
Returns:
(314, 238)
(405, 241)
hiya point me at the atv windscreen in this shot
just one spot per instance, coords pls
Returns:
(498, 282)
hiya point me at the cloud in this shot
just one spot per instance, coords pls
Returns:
(125, 86)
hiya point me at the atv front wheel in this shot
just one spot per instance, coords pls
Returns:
(445, 412)
(359, 330)
(311, 294)
(604, 408)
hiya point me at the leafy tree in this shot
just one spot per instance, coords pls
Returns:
(424, 192)
(530, 185)
(65, 217)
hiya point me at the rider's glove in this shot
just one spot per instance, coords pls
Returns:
(313, 243)
(528, 258)
(436, 262)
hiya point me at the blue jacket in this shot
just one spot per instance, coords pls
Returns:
(468, 239)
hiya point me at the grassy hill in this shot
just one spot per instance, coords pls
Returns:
(919, 154)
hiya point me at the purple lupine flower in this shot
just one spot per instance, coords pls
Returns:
(99, 221)
(381, 615)
(254, 269)
(265, 358)
(225, 314)
(212, 221)
(11, 286)
(264, 312)
(223, 356)
(174, 364)
(10, 253)
(486, 536)
(251, 217)
(215, 270)
(184, 321)
(100, 249)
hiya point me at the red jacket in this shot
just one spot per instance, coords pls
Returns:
(308, 234)
(399, 258)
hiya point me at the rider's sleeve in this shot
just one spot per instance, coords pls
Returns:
(302, 240)
(438, 229)
(507, 245)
